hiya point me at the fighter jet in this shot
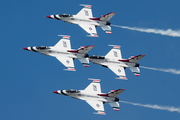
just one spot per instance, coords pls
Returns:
(63, 52)
(113, 60)
(93, 96)
(85, 20)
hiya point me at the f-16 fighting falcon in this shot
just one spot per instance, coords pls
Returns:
(63, 52)
(86, 21)
(113, 60)
(93, 96)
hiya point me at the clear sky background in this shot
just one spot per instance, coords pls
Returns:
(27, 79)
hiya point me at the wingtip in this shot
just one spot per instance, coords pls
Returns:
(123, 78)
(100, 113)
(123, 89)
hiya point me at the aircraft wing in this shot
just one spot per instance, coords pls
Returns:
(106, 28)
(89, 29)
(119, 71)
(64, 43)
(97, 105)
(94, 87)
(115, 105)
(86, 12)
(135, 70)
(68, 62)
(114, 53)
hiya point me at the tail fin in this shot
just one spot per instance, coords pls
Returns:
(83, 49)
(106, 17)
(135, 59)
(113, 93)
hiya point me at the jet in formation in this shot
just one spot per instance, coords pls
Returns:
(63, 52)
(113, 60)
(85, 20)
(93, 96)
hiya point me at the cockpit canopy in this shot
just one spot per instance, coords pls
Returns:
(72, 91)
(42, 47)
(96, 57)
(65, 15)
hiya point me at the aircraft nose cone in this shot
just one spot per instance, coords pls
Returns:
(26, 48)
(55, 92)
(48, 16)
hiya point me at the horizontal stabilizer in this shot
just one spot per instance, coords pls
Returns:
(115, 106)
(106, 28)
(84, 61)
(135, 70)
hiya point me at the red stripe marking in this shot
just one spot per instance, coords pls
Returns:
(71, 68)
(123, 77)
(116, 46)
(87, 6)
(101, 112)
(86, 65)
(124, 60)
(103, 95)
(137, 74)
(116, 109)
(65, 36)
(108, 32)
(97, 80)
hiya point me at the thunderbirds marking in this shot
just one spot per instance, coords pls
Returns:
(93, 96)
(113, 60)
(63, 52)
(86, 21)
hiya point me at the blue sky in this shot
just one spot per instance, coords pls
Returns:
(27, 79)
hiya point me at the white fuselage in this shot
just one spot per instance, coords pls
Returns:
(107, 62)
(78, 20)
(87, 96)
(51, 51)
